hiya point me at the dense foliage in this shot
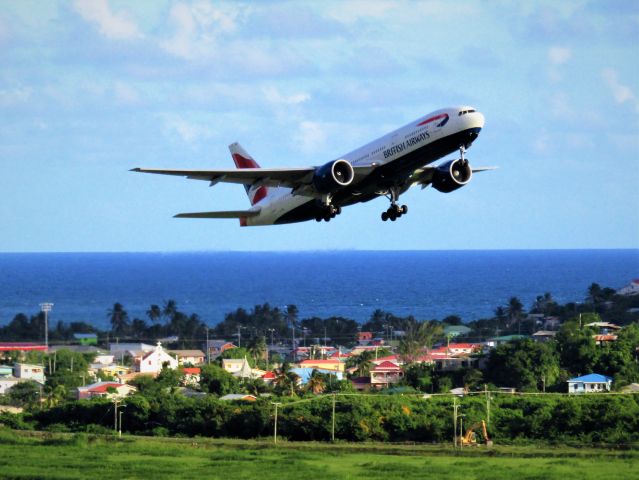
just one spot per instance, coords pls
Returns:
(553, 418)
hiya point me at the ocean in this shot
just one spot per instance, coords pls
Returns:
(352, 284)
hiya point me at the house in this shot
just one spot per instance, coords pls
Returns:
(589, 384)
(191, 375)
(26, 371)
(631, 289)
(361, 384)
(448, 363)
(217, 347)
(543, 336)
(104, 359)
(269, 377)
(604, 327)
(551, 323)
(452, 331)
(239, 397)
(7, 382)
(6, 370)
(240, 368)
(186, 357)
(112, 370)
(334, 365)
(462, 348)
(385, 374)
(496, 341)
(364, 338)
(602, 340)
(105, 389)
(154, 361)
(86, 338)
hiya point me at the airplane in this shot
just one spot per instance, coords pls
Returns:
(385, 167)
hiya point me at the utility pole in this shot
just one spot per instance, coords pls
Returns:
(268, 350)
(120, 429)
(46, 308)
(239, 336)
(275, 423)
(208, 347)
(115, 415)
(487, 404)
(333, 427)
(455, 407)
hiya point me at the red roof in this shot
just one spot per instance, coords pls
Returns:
(23, 346)
(387, 358)
(104, 387)
(463, 345)
(340, 355)
(269, 375)
(386, 366)
(192, 370)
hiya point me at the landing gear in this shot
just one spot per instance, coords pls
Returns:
(330, 211)
(394, 211)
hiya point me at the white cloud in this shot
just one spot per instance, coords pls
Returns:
(125, 94)
(559, 55)
(14, 96)
(116, 26)
(272, 95)
(197, 27)
(188, 131)
(311, 136)
(621, 93)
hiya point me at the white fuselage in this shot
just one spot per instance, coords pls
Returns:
(387, 149)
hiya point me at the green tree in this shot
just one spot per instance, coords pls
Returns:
(216, 380)
(119, 319)
(515, 312)
(25, 394)
(418, 337)
(523, 364)
(576, 346)
(154, 313)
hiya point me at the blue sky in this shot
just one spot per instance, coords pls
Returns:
(90, 89)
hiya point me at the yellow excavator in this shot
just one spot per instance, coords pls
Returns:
(471, 435)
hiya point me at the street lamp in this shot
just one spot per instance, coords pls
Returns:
(46, 308)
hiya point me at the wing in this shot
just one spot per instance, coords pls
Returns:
(298, 179)
(225, 214)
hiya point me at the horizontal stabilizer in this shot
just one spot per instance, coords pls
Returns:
(227, 214)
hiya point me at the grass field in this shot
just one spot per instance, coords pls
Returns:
(64, 456)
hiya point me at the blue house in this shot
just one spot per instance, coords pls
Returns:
(589, 384)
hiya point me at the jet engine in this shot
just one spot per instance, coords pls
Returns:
(452, 175)
(332, 176)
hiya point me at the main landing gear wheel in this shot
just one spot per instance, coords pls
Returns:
(330, 212)
(394, 212)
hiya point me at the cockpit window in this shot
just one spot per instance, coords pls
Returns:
(464, 112)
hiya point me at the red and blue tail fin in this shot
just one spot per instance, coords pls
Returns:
(243, 160)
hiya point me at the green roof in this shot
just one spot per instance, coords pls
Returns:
(508, 338)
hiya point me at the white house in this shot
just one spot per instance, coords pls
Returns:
(26, 371)
(631, 289)
(105, 389)
(589, 384)
(154, 360)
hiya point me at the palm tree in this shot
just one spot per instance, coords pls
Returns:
(119, 318)
(257, 348)
(417, 338)
(287, 380)
(154, 313)
(515, 311)
(170, 309)
(316, 383)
